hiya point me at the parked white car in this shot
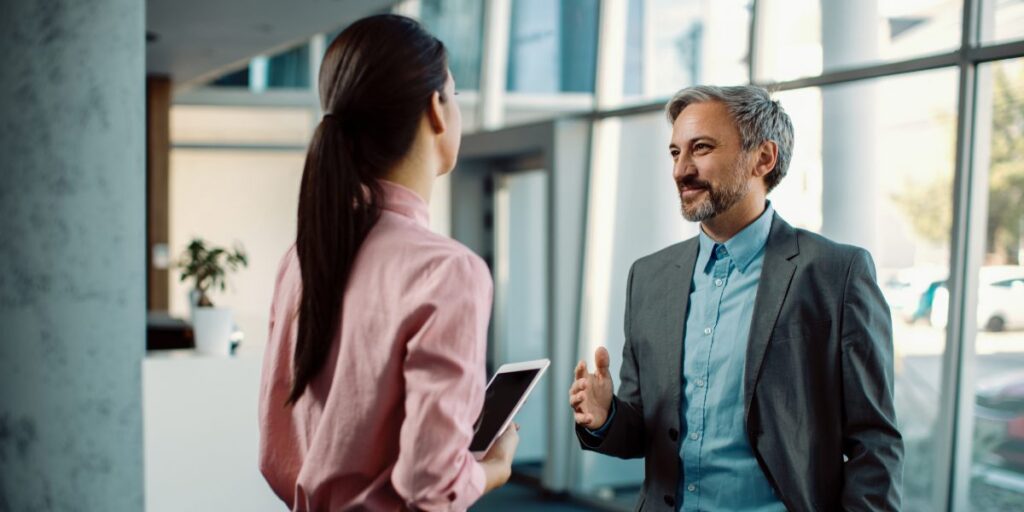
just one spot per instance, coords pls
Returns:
(1000, 299)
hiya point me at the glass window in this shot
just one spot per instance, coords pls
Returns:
(552, 59)
(289, 69)
(792, 43)
(1002, 20)
(459, 25)
(877, 163)
(671, 44)
(997, 464)
(552, 46)
(238, 78)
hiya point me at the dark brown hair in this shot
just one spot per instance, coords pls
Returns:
(377, 79)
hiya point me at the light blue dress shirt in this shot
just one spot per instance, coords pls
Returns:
(718, 467)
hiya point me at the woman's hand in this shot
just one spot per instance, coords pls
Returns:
(497, 463)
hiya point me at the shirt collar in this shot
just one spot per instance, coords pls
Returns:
(742, 247)
(405, 202)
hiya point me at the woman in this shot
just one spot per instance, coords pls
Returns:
(373, 375)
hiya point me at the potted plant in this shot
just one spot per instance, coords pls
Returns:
(207, 268)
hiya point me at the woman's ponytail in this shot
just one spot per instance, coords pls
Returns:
(376, 81)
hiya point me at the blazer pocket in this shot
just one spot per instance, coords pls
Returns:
(818, 329)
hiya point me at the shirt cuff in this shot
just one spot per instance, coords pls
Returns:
(599, 433)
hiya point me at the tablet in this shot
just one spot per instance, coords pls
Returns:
(506, 393)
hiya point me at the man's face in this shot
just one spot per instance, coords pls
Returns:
(711, 170)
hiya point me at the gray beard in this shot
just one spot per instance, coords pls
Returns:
(716, 202)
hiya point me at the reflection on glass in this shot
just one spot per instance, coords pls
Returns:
(997, 472)
(798, 38)
(1002, 20)
(671, 44)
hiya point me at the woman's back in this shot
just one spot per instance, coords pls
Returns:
(387, 422)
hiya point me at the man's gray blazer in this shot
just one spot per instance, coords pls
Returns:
(818, 383)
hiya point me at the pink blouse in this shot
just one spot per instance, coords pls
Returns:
(387, 423)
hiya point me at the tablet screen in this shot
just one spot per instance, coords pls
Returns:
(503, 394)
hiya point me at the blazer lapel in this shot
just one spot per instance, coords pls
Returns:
(677, 294)
(776, 274)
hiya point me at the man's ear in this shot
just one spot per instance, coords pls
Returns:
(435, 114)
(765, 157)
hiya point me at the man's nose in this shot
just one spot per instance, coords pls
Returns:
(682, 168)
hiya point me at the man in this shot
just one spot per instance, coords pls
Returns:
(757, 366)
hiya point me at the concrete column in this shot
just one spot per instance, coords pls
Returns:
(849, 36)
(72, 242)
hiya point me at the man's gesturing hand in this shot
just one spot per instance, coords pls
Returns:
(591, 393)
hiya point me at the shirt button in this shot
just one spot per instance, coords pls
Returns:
(707, 331)
(718, 282)
(699, 383)
(691, 488)
(694, 436)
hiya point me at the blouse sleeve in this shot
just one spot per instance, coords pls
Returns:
(444, 387)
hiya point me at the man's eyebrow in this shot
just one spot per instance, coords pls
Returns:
(673, 145)
(704, 137)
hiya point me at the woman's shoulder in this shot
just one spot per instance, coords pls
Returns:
(432, 251)
(449, 256)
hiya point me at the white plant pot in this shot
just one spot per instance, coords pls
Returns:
(213, 328)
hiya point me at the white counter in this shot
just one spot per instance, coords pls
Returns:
(201, 433)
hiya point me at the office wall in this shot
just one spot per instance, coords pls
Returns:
(248, 197)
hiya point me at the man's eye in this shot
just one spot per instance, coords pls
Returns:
(700, 146)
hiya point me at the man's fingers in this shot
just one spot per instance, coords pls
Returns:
(581, 370)
(577, 386)
(583, 418)
(577, 399)
(602, 360)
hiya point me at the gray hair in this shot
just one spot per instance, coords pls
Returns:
(758, 117)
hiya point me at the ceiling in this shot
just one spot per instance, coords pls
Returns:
(192, 41)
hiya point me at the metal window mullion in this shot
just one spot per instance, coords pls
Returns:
(954, 426)
(996, 52)
(258, 73)
(753, 42)
(868, 72)
(494, 64)
(960, 325)
(317, 49)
